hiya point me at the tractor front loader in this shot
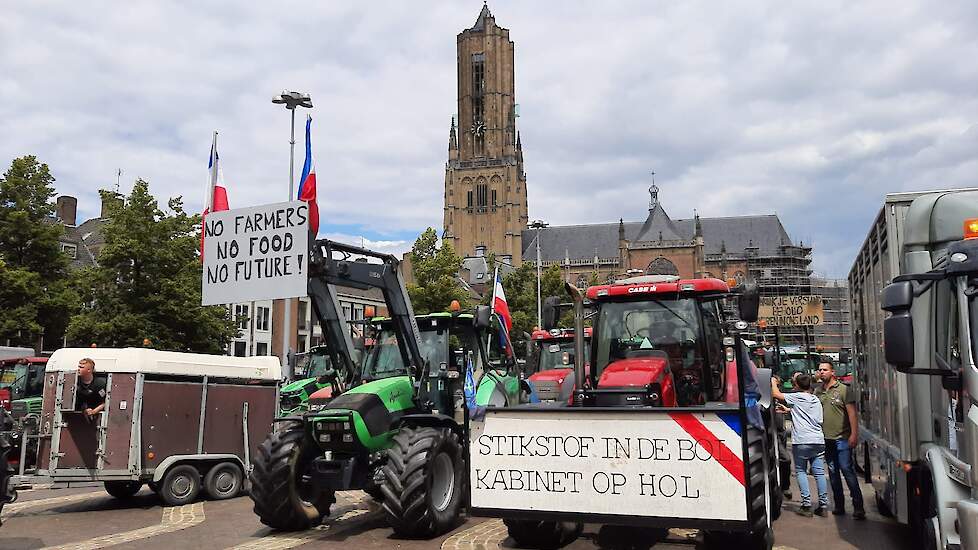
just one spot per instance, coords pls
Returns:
(396, 433)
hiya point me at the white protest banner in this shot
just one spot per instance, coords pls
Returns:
(649, 464)
(258, 253)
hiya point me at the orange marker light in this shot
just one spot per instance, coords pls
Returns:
(150, 455)
(731, 282)
(369, 312)
(455, 307)
(971, 228)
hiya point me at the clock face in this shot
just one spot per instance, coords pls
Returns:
(478, 128)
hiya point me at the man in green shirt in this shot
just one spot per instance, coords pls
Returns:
(840, 426)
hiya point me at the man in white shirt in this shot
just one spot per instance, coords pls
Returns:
(807, 441)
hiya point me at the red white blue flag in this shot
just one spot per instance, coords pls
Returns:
(217, 194)
(307, 183)
(501, 309)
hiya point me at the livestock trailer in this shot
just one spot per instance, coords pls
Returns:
(178, 422)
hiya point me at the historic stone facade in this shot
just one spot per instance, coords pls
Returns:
(485, 185)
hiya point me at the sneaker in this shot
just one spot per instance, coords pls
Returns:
(859, 514)
(804, 511)
(820, 511)
(839, 512)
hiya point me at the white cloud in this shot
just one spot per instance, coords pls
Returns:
(812, 110)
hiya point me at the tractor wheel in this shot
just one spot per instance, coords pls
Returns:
(423, 480)
(223, 481)
(123, 489)
(760, 537)
(284, 499)
(546, 535)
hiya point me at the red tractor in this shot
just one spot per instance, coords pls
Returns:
(553, 363)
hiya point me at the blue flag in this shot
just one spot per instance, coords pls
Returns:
(469, 387)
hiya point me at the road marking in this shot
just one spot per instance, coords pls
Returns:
(176, 518)
(352, 508)
(17, 508)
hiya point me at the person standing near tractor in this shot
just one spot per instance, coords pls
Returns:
(807, 443)
(841, 430)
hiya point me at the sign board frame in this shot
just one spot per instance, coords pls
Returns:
(256, 253)
(527, 418)
(792, 311)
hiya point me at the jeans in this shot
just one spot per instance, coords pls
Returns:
(814, 454)
(839, 457)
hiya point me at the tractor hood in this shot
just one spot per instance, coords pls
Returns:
(637, 371)
(297, 385)
(553, 375)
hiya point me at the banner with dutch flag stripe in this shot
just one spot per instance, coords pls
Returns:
(307, 182)
(216, 197)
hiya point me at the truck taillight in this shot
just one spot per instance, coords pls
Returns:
(5, 398)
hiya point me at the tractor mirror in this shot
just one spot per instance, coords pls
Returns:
(749, 301)
(551, 312)
(482, 316)
(844, 356)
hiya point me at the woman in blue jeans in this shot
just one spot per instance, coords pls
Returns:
(807, 442)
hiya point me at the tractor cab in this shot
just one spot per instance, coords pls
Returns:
(552, 363)
(658, 341)
(21, 385)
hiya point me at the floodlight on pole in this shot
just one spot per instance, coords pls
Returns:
(538, 225)
(291, 100)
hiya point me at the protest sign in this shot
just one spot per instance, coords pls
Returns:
(257, 253)
(791, 311)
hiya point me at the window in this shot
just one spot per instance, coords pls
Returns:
(241, 314)
(482, 192)
(661, 266)
(70, 249)
(261, 317)
(262, 348)
(478, 73)
(303, 313)
(493, 197)
(468, 200)
(478, 107)
(240, 349)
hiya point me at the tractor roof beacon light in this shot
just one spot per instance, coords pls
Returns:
(971, 228)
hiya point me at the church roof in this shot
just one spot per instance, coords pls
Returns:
(585, 241)
(480, 23)
(659, 227)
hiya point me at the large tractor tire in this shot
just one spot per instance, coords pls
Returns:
(760, 537)
(280, 488)
(423, 480)
(546, 535)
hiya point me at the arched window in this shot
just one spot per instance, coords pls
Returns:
(482, 194)
(661, 266)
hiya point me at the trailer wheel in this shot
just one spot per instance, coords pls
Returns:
(280, 486)
(546, 535)
(223, 481)
(760, 537)
(123, 489)
(180, 485)
(423, 480)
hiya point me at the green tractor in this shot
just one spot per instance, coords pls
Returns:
(397, 432)
(314, 373)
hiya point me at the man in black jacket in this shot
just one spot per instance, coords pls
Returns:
(90, 397)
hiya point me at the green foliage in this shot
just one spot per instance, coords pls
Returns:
(35, 293)
(435, 272)
(147, 283)
(520, 287)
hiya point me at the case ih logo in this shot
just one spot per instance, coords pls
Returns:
(635, 289)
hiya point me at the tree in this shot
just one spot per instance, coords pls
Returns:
(148, 281)
(520, 287)
(35, 292)
(435, 271)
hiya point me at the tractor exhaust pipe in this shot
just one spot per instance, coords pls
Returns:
(579, 359)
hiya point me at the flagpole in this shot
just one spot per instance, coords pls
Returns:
(213, 176)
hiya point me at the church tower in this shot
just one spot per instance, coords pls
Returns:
(485, 185)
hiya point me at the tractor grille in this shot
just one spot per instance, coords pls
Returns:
(18, 410)
(547, 390)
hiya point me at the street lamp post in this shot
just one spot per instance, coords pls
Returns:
(538, 225)
(291, 100)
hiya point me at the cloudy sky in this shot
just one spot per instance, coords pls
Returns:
(810, 111)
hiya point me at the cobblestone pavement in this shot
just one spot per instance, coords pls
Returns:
(88, 519)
